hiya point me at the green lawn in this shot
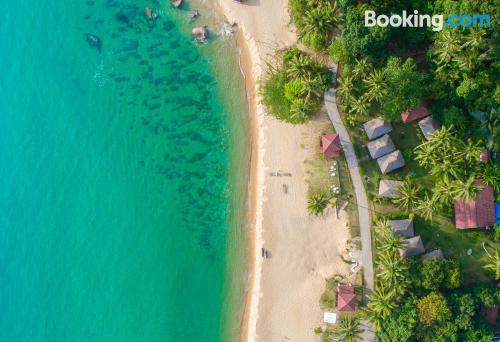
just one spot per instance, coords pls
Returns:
(347, 194)
(318, 177)
(454, 243)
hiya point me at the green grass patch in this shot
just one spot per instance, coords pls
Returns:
(454, 243)
(347, 194)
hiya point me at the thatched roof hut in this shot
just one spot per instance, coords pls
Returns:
(434, 254)
(391, 161)
(428, 126)
(403, 228)
(376, 128)
(389, 188)
(381, 146)
(412, 246)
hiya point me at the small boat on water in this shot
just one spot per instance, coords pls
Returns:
(93, 41)
(176, 3)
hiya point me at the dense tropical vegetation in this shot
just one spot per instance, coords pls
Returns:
(293, 90)
(424, 300)
(455, 73)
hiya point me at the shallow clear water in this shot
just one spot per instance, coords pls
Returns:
(117, 182)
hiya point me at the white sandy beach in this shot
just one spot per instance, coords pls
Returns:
(284, 290)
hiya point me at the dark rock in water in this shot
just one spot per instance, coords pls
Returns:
(122, 18)
(176, 3)
(174, 45)
(167, 26)
(94, 41)
(200, 34)
(194, 15)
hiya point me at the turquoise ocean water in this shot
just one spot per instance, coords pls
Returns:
(120, 173)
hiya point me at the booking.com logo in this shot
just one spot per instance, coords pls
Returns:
(424, 20)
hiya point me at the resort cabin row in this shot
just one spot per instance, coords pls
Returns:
(381, 146)
(413, 245)
(478, 212)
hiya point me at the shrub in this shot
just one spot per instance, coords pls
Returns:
(454, 116)
(432, 275)
(433, 309)
(339, 53)
(487, 294)
(292, 92)
(453, 277)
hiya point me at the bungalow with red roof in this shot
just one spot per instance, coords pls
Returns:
(478, 212)
(414, 114)
(346, 299)
(330, 145)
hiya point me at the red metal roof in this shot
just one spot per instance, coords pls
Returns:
(478, 212)
(346, 299)
(414, 114)
(330, 145)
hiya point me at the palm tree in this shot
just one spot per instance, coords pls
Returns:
(361, 68)
(467, 61)
(299, 67)
(491, 121)
(321, 20)
(493, 264)
(348, 329)
(447, 46)
(423, 155)
(313, 86)
(383, 229)
(448, 168)
(443, 192)
(393, 272)
(391, 244)
(317, 203)
(360, 105)
(380, 306)
(440, 148)
(345, 87)
(299, 110)
(491, 176)
(428, 207)
(471, 151)
(467, 189)
(409, 195)
(491, 124)
(477, 45)
(377, 87)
